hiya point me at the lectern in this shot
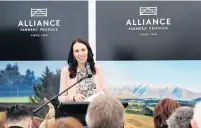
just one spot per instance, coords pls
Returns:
(77, 110)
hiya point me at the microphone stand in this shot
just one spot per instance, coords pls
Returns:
(55, 97)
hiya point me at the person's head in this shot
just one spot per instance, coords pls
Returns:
(196, 121)
(19, 115)
(47, 123)
(67, 122)
(162, 111)
(80, 53)
(37, 121)
(181, 118)
(105, 111)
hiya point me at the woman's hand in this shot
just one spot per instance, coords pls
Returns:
(79, 97)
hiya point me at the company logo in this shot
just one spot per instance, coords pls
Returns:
(148, 22)
(148, 11)
(39, 12)
(39, 25)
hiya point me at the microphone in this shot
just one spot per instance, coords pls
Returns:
(89, 72)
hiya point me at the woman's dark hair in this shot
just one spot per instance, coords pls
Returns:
(162, 111)
(72, 62)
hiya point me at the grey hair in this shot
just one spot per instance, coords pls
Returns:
(105, 111)
(181, 118)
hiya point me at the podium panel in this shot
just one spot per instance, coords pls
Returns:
(77, 110)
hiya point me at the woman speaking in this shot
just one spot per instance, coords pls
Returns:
(80, 53)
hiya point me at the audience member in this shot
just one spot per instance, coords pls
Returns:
(196, 121)
(105, 111)
(181, 118)
(19, 116)
(68, 122)
(162, 112)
